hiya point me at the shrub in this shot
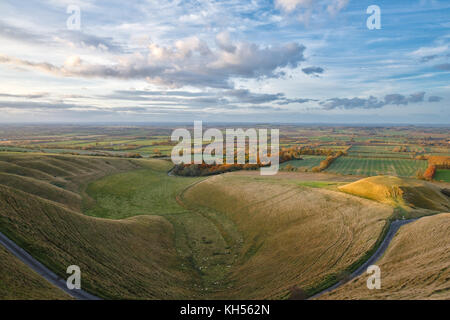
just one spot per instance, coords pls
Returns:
(430, 172)
(297, 293)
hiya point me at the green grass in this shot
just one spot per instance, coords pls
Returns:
(129, 258)
(201, 237)
(374, 166)
(320, 184)
(18, 281)
(139, 192)
(442, 175)
(308, 162)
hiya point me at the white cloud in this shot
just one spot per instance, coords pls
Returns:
(308, 8)
(290, 5)
(428, 51)
(188, 62)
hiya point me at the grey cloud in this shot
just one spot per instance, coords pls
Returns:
(61, 106)
(265, 108)
(434, 99)
(289, 101)
(224, 42)
(429, 58)
(221, 97)
(66, 37)
(245, 96)
(396, 99)
(313, 70)
(186, 63)
(375, 103)
(84, 40)
(27, 96)
(443, 67)
(15, 33)
(27, 105)
(161, 93)
(344, 103)
(416, 97)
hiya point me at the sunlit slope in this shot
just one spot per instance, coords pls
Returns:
(18, 281)
(291, 235)
(415, 266)
(408, 193)
(130, 258)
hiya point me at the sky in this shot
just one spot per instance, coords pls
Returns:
(289, 61)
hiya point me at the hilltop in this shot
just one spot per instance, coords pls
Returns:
(404, 192)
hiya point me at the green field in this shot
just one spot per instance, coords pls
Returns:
(442, 175)
(139, 192)
(373, 166)
(308, 162)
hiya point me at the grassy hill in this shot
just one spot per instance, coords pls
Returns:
(415, 266)
(18, 281)
(282, 228)
(190, 243)
(138, 233)
(130, 258)
(403, 192)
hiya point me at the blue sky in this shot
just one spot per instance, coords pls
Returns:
(263, 61)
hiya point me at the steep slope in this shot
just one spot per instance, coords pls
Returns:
(130, 258)
(18, 281)
(308, 235)
(408, 193)
(415, 266)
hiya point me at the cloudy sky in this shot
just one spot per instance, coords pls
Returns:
(229, 60)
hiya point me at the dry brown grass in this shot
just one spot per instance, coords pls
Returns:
(415, 266)
(408, 193)
(19, 282)
(291, 235)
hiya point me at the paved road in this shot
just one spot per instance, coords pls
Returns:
(395, 225)
(38, 267)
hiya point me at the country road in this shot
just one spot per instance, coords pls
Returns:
(39, 268)
(393, 228)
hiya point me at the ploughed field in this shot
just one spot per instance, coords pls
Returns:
(138, 233)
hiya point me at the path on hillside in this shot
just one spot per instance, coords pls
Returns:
(43, 271)
(393, 228)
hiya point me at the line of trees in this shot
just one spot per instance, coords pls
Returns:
(434, 163)
(327, 162)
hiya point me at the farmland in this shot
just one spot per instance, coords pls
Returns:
(375, 166)
(307, 162)
(205, 236)
(442, 175)
(77, 195)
